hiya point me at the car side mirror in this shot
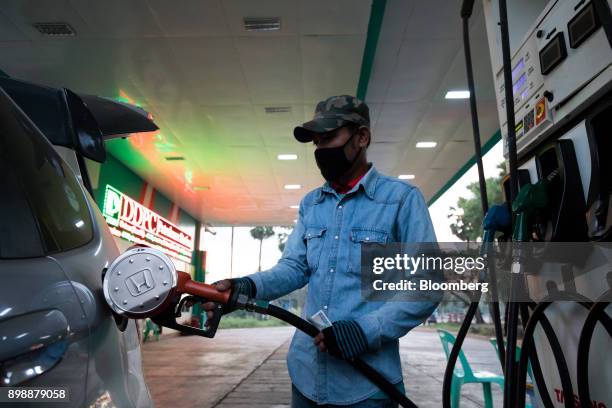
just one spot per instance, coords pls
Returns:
(88, 138)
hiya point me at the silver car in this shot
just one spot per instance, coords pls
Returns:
(55, 327)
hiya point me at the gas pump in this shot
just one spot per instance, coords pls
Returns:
(552, 67)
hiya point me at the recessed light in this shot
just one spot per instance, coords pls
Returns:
(294, 207)
(426, 145)
(287, 157)
(292, 186)
(457, 95)
(406, 176)
(201, 188)
(175, 158)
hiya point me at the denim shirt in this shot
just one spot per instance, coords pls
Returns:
(323, 251)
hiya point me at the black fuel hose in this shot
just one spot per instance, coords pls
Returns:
(363, 367)
(538, 316)
(513, 307)
(538, 376)
(596, 313)
(454, 354)
(528, 351)
(466, 12)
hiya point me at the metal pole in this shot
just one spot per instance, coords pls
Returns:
(232, 255)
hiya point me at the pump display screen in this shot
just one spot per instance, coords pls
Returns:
(582, 26)
(553, 53)
(518, 68)
(519, 83)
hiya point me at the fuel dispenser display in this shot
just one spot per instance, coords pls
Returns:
(551, 78)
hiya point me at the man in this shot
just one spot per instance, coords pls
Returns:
(356, 205)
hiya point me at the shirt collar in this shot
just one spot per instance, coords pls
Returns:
(368, 181)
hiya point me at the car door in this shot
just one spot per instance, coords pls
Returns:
(43, 330)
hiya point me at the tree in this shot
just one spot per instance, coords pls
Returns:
(261, 233)
(467, 218)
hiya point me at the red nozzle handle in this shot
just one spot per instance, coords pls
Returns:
(201, 290)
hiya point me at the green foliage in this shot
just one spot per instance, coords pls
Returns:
(467, 216)
(235, 322)
(261, 233)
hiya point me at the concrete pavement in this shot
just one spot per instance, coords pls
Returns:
(242, 368)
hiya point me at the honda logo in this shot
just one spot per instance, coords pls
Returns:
(140, 282)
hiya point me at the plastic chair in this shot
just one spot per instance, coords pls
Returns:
(151, 327)
(530, 391)
(465, 374)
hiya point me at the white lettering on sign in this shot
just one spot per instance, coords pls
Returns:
(136, 223)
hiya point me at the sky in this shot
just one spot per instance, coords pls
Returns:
(220, 263)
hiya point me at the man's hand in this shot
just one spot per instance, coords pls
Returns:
(221, 286)
(343, 339)
(319, 341)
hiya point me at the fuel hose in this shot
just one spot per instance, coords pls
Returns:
(363, 367)
(534, 360)
(516, 278)
(466, 12)
(528, 350)
(596, 313)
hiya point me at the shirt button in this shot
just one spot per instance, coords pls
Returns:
(325, 307)
(331, 270)
(340, 207)
(336, 237)
(367, 238)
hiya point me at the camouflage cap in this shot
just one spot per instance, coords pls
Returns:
(332, 113)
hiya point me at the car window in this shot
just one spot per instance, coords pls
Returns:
(44, 207)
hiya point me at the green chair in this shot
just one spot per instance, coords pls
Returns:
(530, 391)
(150, 327)
(465, 374)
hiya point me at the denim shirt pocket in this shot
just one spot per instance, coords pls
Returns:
(313, 237)
(361, 236)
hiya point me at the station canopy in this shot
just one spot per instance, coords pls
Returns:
(227, 80)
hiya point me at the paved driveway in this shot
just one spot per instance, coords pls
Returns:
(242, 368)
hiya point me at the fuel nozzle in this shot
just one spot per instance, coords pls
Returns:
(531, 199)
(498, 218)
(143, 282)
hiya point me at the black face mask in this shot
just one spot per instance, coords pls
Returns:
(332, 161)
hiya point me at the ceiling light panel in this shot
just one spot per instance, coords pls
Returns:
(457, 95)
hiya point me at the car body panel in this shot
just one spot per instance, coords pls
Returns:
(77, 342)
